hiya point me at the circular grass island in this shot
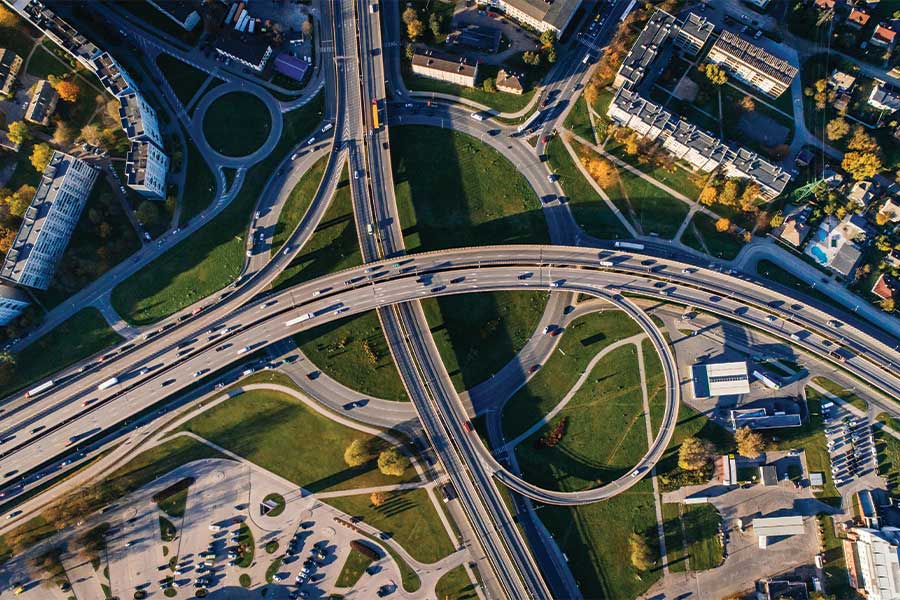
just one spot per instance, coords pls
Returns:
(237, 124)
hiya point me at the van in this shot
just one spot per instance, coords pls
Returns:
(586, 58)
(243, 350)
(213, 527)
(369, 229)
(478, 116)
(327, 127)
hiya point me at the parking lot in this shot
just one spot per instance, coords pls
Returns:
(850, 445)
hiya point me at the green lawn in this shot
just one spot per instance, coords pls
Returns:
(647, 206)
(167, 529)
(499, 101)
(478, 334)
(595, 539)
(606, 432)
(173, 500)
(332, 247)
(455, 585)
(582, 340)
(199, 187)
(184, 79)
(278, 499)
(353, 352)
(85, 334)
(44, 63)
(656, 384)
(237, 124)
(838, 391)
(888, 452)
(297, 203)
(353, 569)
(692, 536)
(245, 538)
(677, 178)
(18, 38)
(212, 257)
(408, 516)
(281, 434)
(836, 576)
(453, 190)
(588, 208)
(725, 245)
(578, 120)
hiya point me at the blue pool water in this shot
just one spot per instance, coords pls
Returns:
(818, 254)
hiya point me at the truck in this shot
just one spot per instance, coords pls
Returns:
(300, 319)
(629, 245)
(606, 263)
(39, 389)
(108, 383)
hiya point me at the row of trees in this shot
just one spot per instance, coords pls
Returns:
(696, 454)
(732, 192)
(415, 28)
(390, 460)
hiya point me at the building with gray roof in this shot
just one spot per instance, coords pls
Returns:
(139, 119)
(543, 15)
(630, 109)
(752, 65)
(49, 221)
(42, 104)
(114, 78)
(772, 179)
(13, 303)
(645, 49)
(145, 169)
(183, 12)
(10, 63)
(57, 29)
(445, 67)
(693, 33)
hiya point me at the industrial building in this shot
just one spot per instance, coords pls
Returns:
(444, 67)
(42, 104)
(874, 558)
(13, 303)
(10, 63)
(542, 15)
(720, 379)
(250, 50)
(775, 527)
(49, 221)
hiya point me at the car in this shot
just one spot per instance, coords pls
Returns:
(14, 514)
(758, 34)
(551, 177)
(548, 329)
(214, 527)
(311, 141)
(278, 577)
(533, 369)
(197, 373)
(146, 236)
(356, 174)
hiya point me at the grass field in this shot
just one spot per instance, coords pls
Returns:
(44, 63)
(237, 124)
(353, 352)
(499, 101)
(453, 190)
(590, 211)
(212, 257)
(199, 188)
(582, 340)
(725, 245)
(408, 516)
(455, 585)
(184, 79)
(595, 539)
(332, 247)
(692, 536)
(838, 391)
(605, 432)
(888, 452)
(353, 569)
(836, 577)
(173, 500)
(297, 203)
(283, 435)
(17, 38)
(478, 334)
(85, 333)
(578, 120)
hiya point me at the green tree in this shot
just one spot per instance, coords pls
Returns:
(435, 24)
(20, 200)
(17, 132)
(531, 58)
(392, 462)
(861, 141)
(749, 443)
(40, 156)
(148, 212)
(837, 128)
(489, 85)
(548, 39)
(357, 453)
(861, 165)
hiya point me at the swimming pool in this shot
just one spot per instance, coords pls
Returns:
(818, 254)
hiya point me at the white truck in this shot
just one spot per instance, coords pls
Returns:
(300, 319)
(108, 383)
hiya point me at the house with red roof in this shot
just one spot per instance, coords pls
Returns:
(883, 36)
(886, 287)
(858, 18)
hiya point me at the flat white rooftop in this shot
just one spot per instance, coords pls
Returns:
(720, 379)
(778, 526)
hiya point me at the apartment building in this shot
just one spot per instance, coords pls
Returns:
(61, 32)
(13, 303)
(444, 67)
(646, 48)
(139, 119)
(49, 221)
(630, 109)
(145, 169)
(698, 148)
(752, 65)
(10, 63)
(746, 164)
(114, 78)
(183, 12)
(543, 15)
(42, 104)
(693, 33)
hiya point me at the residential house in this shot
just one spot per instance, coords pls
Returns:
(444, 67)
(883, 36)
(883, 97)
(891, 209)
(886, 287)
(10, 63)
(511, 83)
(795, 227)
(861, 193)
(858, 18)
(837, 243)
(893, 258)
(752, 64)
(841, 81)
(824, 4)
(42, 104)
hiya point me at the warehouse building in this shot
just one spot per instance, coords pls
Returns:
(777, 527)
(250, 50)
(182, 12)
(49, 221)
(720, 379)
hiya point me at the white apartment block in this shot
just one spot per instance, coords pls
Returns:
(114, 78)
(139, 119)
(49, 222)
(145, 169)
(752, 65)
(543, 15)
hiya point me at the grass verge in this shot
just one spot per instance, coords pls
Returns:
(455, 585)
(184, 79)
(297, 203)
(353, 569)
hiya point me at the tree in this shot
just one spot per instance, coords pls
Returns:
(882, 218)
(148, 212)
(888, 305)
(748, 197)
(551, 55)
(729, 194)
(723, 225)
(548, 39)
(17, 132)
(749, 443)
(68, 90)
(357, 453)
(391, 462)
(435, 24)
(112, 110)
(378, 498)
(641, 555)
(715, 74)
(409, 15)
(861, 165)
(837, 128)
(63, 134)
(604, 172)
(694, 454)
(8, 18)
(91, 134)
(415, 29)
(861, 141)
(708, 195)
(531, 58)
(748, 104)
(777, 220)
(40, 156)
(20, 200)
(489, 86)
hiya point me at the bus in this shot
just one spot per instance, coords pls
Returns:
(41, 388)
(375, 123)
(629, 245)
